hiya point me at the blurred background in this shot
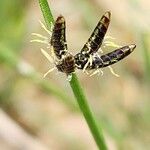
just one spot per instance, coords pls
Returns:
(42, 114)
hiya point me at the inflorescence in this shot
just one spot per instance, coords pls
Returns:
(88, 59)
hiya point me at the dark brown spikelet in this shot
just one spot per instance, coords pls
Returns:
(65, 61)
(104, 60)
(96, 38)
(67, 65)
(58, 39)
(117, 55)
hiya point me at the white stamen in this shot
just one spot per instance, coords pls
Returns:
(88, 62)
(97, 71)
(47, 56)
(39, 35)
(111, 44)
(101, 71)
(44, 27)
(112, 71)
(39, 41)
(86, 72)
(109, 37)
(49, 71)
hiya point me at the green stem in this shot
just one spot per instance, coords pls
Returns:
(83, 104)
(47, 14)
(77, 90)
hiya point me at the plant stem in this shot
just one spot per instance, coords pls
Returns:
(83, 104)
(77, 90)
(47, 14)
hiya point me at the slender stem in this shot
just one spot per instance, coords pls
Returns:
(83, 104)
(77, 90)
(47, 14)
